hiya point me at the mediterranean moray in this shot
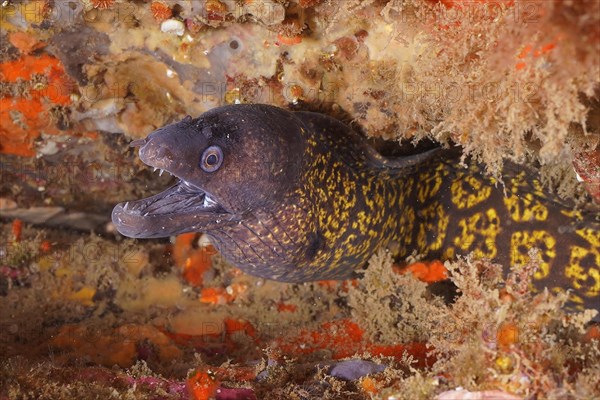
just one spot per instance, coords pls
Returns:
(298, 196)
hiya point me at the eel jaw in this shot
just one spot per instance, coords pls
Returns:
(181, 208)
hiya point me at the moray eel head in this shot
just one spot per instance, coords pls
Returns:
(229, 163)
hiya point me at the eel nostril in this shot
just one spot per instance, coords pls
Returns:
(138, 142)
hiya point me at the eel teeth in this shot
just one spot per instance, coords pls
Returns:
(208, 201)
(161, 172)
(126, 206)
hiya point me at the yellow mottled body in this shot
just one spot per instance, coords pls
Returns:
(472, 214)
(441, 210)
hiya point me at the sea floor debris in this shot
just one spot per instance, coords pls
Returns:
(94, 317)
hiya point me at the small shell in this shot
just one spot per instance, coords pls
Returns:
(173, 26)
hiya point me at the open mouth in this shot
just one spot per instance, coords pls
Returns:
(181, 208)
(179, 198)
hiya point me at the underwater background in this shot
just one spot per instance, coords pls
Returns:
(87, 313)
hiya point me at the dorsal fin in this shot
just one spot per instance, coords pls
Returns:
(402, 164)
(342, 135)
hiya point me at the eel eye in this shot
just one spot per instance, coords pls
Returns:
(211, 159)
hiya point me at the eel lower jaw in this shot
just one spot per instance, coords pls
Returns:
(181, 208)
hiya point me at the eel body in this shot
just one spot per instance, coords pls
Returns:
(298, 196)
